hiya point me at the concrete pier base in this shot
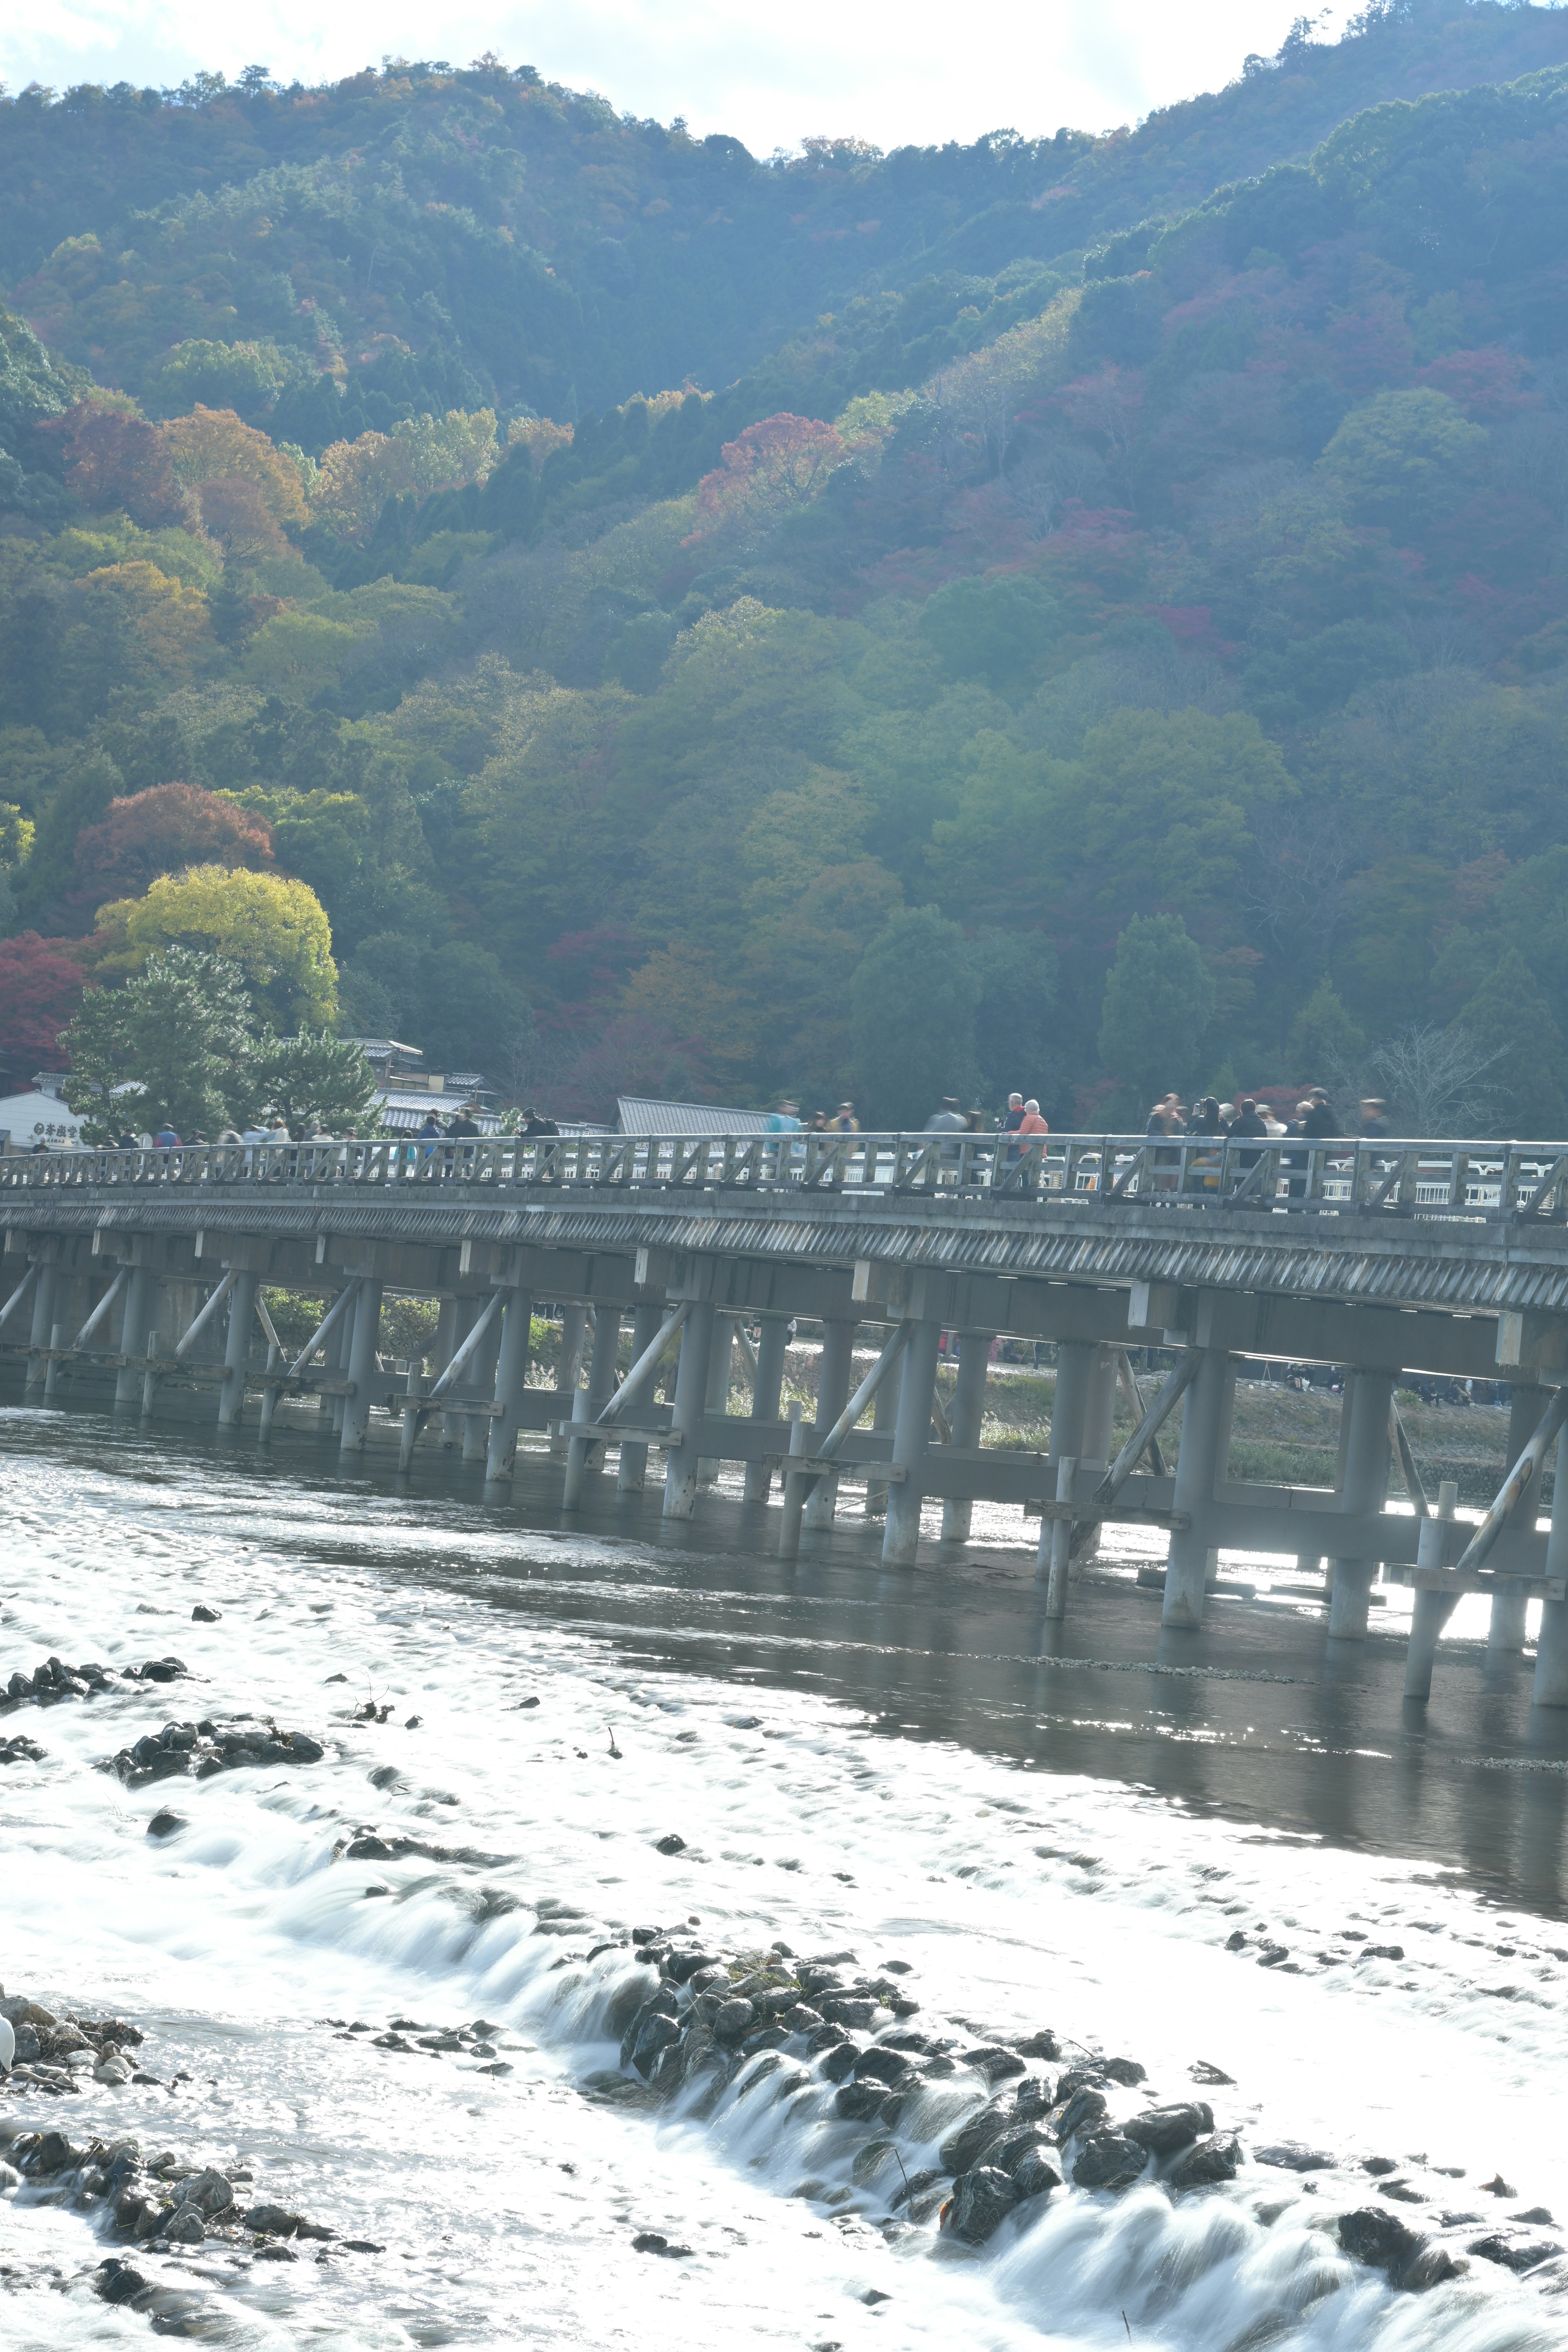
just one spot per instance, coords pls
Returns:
(41, 1333)
(134, 1323)
(1363, 1487)
(968, 1413)
(911, 1436)
(884, 1421)
(631, 1473)
(583, 1450)
(835, 1376)
(1205, 1435)
(481, 1375)
(511, 1380)
(1506, 1627)
(362, 1367)
(574, 1330)
(769, 1380)
(1551, 1686)
(680, 1469)
(721, 1377)
(237, 1349)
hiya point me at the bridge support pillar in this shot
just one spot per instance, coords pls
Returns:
(68, 1311)
(884, 1421)
(236, 1351)
(334, 1363)
(362, 1365)
(720, 1378)
(447, 1337)
(766, 1391)
(1069, 1408)
(1098, 1425)
(1365, 1484)
(41, 1331)
(1551, 1642)
(1205, 1435)
(968, 1412)
(834, 1372)
(133, 1327)
(511, 1378)
(1432, 1609)
(681, 1470)
(482, 1376)
(632, 1473)
(911, 1436)
(582, 1451)
(573, 1330)
(1506, 1627)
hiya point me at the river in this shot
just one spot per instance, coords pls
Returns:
(1050, 1828)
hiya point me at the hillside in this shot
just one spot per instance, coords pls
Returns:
(1166, 685)
(429, 237)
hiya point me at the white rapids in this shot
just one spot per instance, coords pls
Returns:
(507, 2206)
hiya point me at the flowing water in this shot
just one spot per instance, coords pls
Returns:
(1053, 1827)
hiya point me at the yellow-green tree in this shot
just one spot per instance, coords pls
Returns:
(275, 930)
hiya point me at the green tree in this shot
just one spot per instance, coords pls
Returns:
(1509, 1019)
(1017, 975)
(1158, 999)
(992, 629)
(177, 1035)
(1323, 1037)
(912, 1002)
(1403, 456)
(314, 1079)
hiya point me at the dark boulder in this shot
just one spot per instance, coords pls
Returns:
(1215, 2159)
(1514, 2253)
(1083, 2112)
(966, 2146)
(1291, 2155)
(116, 2282)
(1035, 2177)
(982, 2201)
(1377, 2237)
(995, 2063)
(860, 2103)
(879, 2066)
(1109, 2159)
(1163, 2130)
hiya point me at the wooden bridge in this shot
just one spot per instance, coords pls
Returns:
(142, 1272)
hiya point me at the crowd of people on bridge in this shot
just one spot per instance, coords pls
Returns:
(1243, 1118)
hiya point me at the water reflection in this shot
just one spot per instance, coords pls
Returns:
(1258, 1716)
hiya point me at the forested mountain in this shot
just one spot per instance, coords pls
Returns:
(1084, 667)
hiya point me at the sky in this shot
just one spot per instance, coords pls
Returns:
(893, 71)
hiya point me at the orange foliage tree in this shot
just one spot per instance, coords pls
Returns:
(112, 458)
(770, 470)
(163, 831)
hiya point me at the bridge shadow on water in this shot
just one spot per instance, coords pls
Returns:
(1259, 1717)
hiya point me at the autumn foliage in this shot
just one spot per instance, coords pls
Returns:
(40, 988)
(161, 831)
(770, 470)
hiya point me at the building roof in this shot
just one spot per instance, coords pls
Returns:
(381, 1049)
(638, 1115)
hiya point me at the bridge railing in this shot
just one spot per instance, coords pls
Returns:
(1294, 1176)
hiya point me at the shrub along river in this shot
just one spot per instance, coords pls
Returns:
(596, 1936)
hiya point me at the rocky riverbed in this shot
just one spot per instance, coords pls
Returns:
(604, 1995)
(923, 2126)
